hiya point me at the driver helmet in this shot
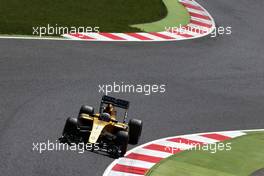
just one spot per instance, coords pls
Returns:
(110, 109)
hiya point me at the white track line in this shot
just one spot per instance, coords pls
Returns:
(232, 134)
(201, 139)
(174, 145)
(116, 173)
(150, 152)
(135, 163)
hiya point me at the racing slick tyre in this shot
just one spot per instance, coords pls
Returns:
(70, 131)
(86, 110)
(122, 142)
(135, 128)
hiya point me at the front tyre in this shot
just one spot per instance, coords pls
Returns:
(121, 142)
(70, 131)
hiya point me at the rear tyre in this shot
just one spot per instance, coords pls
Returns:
(87, 110)
(135, 129)
(121, 142)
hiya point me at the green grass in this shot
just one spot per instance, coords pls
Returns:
(246, 156)
(177, 15)
(19, 16)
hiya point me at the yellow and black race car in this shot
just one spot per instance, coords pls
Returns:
(103, 128)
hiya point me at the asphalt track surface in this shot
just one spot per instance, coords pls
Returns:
(213, 84)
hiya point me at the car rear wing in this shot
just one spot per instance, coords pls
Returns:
(115, 102)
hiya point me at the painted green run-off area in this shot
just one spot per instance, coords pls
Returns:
(177, 15)
(19, 17)
(246, 156)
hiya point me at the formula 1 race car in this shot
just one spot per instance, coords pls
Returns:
(103, 128)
